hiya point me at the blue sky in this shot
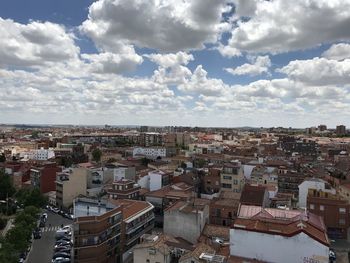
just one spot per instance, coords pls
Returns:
(196, 62)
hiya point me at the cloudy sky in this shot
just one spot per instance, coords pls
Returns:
(175, 62)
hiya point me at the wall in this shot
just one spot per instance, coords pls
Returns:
(186, 225)
(274, 248)
(304, 188)
(142, 254)
(76, 185)
(155, 181)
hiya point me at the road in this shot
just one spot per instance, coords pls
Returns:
(42, 249)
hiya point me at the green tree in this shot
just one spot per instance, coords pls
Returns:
(19, 237)
(145, 161)
(8, 253)
(96, 155)
(31, 197)
(6, 187)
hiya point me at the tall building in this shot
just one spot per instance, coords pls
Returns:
(232, 177)
(43, 176)
(340, 130)
(69, 185)
(97, 231)
(322, 127)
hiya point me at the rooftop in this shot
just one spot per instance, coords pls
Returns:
(91, 207)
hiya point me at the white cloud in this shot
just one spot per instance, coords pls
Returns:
(199, 83)
(260, 64)
(338, 51)
(112, 63)
(171, 60)
(281, 26)
(165, 25)
(318, 71)
(35, 43)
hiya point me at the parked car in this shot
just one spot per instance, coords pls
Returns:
(61, 255)
(63, 249)
(55, 210)
(42, 223)
(332, 256)
(61, 260)
(63, 243)
(63, 233)
(37, 233)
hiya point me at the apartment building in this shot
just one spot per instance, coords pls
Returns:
(274, 235)
(333, 210)
(187, 219)
(124, 189)
(232, 177)
(43, 176)
(97, 231)
(70, 183)
(138, 219)
(151, 152)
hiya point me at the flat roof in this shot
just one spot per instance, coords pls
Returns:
(91, 207)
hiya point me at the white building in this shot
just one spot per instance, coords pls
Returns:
(40, 154)
(152, 152)
(316, 184)
(273, 235)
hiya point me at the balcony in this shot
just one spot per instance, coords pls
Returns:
(131, 229)
(139, 232)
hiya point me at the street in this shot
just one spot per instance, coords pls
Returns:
(42, 249)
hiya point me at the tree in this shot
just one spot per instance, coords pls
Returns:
(96, 155)
(32, 197)
(6, 187)
(145, 161)
(2, 158)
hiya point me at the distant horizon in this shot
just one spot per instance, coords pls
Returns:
(160, 126)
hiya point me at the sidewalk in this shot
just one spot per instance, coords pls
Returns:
(7, 227)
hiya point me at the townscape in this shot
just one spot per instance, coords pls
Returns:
(175, 194)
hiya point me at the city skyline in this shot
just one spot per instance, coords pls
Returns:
(212, 63)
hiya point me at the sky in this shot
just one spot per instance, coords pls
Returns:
(221, 63)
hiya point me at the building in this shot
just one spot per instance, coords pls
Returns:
(124, 189)
(211, 181)
(40, 154)
(70, 183)
(322, 127)
(274, 235)
(43, 176)
(223, 211)
(187, 219)
(333, 210)
(159, 249)
(97, 231)
(166, 196)
(232, 177)
(316, 184)
(340, 130)
(138, 219)
(255, 195)
(150, 152)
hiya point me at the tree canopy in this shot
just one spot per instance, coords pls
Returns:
(96, 155)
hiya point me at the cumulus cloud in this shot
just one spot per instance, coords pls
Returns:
(318, 71)
(259, 65)
(171, 60)
(338, 51)
(35, 43)
(112, 63)
(158, 24)
(281, 26)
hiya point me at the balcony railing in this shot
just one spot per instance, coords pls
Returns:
(131, 229)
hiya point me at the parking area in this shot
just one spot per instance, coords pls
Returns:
(42, 249)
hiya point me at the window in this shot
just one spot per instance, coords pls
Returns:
(342, 210)
(341, 221)
(235, 182)
(147, 260)
(226, 185)
(227, 177)
(312, 206)
(229, 214)
(321, 207)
